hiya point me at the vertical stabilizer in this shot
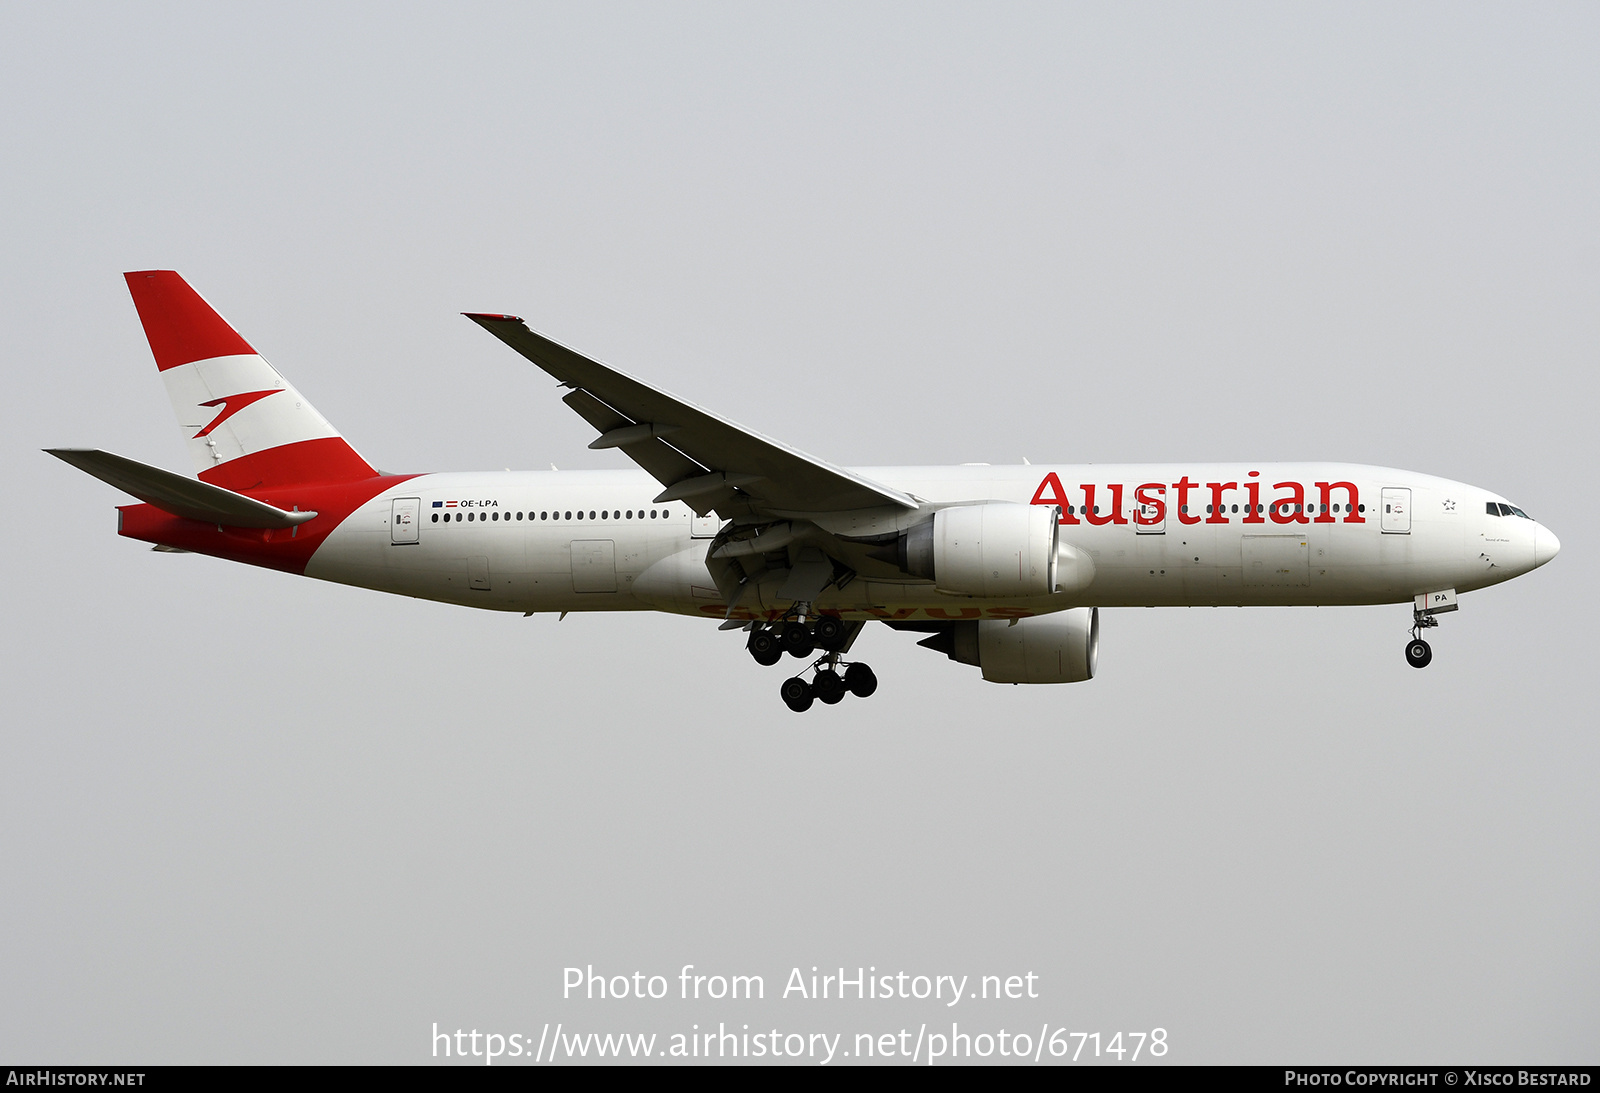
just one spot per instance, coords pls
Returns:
(245, 425)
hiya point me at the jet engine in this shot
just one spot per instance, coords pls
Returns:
(998, 548)
(1061, 647)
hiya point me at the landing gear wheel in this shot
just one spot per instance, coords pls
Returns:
(764, 646)
(797, 640)
(860, 680)
(797, 694)
(829, 687)
(1418, 653)
(829, 633)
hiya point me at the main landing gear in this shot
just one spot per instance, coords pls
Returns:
(1418, 652)
(832, 678)
(828, 685)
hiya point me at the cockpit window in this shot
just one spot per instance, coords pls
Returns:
(1506, 510)
(1518, 512)
(1492, 507)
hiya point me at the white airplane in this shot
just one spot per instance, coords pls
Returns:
(1004, 568)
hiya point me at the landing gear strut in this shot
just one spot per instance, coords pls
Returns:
(1418, 652)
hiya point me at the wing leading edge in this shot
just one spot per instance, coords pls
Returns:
(705, 461)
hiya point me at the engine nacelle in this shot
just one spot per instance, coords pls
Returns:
(1062, 647)
(998, 548)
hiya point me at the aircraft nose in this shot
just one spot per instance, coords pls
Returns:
(1545, 546)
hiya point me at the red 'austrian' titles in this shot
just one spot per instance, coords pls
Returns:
(1150, 503)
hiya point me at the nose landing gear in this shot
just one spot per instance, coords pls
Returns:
(1419, 654)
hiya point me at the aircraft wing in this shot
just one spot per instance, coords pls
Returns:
(178, 495)
(701, 459)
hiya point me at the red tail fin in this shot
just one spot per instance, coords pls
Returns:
(246, 427)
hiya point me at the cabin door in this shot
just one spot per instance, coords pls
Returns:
(1396, 510)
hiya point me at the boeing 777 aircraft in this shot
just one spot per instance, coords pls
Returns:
(1004, 568)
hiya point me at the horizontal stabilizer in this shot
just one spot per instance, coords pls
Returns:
(179, 495)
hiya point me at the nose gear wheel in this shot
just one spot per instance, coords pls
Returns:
(1418, 653)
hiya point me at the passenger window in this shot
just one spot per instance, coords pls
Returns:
(436, 517)
(569, 516)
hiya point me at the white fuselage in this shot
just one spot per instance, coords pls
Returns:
(593, 540)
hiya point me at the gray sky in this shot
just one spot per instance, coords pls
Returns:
(246, 817)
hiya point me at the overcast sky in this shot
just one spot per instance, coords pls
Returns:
(250, 817)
